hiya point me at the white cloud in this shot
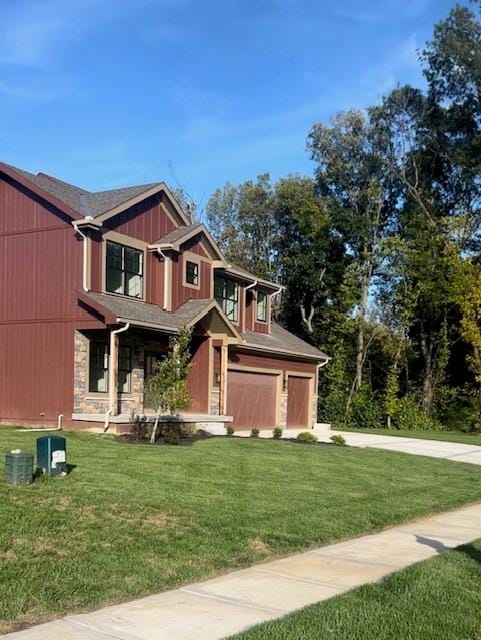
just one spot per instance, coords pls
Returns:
(400, 61)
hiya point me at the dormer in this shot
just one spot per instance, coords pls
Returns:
(246, 300)
(189, 255)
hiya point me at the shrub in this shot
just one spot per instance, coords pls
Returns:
(366, 410)
(338, 440)
(410, 416)
(456, 408)
(139, 428)
(230, 430)
(277, 433)
(171, 432)
(255, 432)
(307, 437)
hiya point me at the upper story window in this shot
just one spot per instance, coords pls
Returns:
(226, 292)
(124, 270)
(192, 273)
(261, 306)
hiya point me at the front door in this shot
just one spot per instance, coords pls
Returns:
(151, 358)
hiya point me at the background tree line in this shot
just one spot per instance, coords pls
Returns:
(380, 248)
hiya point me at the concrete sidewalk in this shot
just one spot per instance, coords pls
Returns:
(226, 605)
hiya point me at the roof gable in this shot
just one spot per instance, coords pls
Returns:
(176, 238)
(92, 206)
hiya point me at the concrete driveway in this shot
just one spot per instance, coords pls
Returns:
(432, 448)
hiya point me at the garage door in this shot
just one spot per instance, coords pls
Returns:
(251, 399)
(298, 401)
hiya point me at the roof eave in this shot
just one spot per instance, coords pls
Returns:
(317, 358)
(42, 193)
(252, 278)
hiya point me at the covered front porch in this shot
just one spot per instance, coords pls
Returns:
(112, 365)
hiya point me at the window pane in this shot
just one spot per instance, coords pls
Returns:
(98, 367)
(125, 358)
(192, 273)
(124, 381)
(219, 287)
(226, 293)
(133, 260)
(262, 306)
(114, 255)
(133, 285)
(114, 280)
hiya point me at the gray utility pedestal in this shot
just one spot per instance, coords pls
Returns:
(52, 455)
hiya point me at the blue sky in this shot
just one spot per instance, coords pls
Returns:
(107, 93)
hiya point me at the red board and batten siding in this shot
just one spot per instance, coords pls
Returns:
(40, 274)
(198, 382)
(180, 293)
(148, 220)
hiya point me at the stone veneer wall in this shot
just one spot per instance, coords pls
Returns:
(96, 403)
(214, 404)
(314, 409)
(283, 414)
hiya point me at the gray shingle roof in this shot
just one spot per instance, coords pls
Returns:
(144, 313)
(177, 234)
(236, 270)
(281, 340)
(88, 203)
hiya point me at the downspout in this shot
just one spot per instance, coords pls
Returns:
(113, 368)
(251, 285)
(166, 278)
(57, 428)
(85, 255)
(318, 368)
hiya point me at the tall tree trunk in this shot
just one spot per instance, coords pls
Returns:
(360, 346)
(360, 354)
(428, 373)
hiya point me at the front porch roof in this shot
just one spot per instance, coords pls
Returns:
(116, 309)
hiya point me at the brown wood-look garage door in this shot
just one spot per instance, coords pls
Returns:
(298, 401)
(251, 399)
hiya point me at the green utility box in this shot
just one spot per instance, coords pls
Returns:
(52, 455)
(18, 467)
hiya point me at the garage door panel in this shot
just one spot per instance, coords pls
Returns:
(298, 401)
(251, 399)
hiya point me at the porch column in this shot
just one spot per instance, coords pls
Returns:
(223, 379)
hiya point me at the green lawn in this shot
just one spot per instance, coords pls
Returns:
(448, 436)
(136, 519)
(439, 599)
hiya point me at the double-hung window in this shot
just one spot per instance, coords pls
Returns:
(124, 270)
(192, 273)
(99, 368)
(226, 292)
(125, 369)
(261, 306)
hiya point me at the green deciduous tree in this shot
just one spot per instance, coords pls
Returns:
(167, 387)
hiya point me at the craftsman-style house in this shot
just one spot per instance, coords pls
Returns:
(93, 284)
